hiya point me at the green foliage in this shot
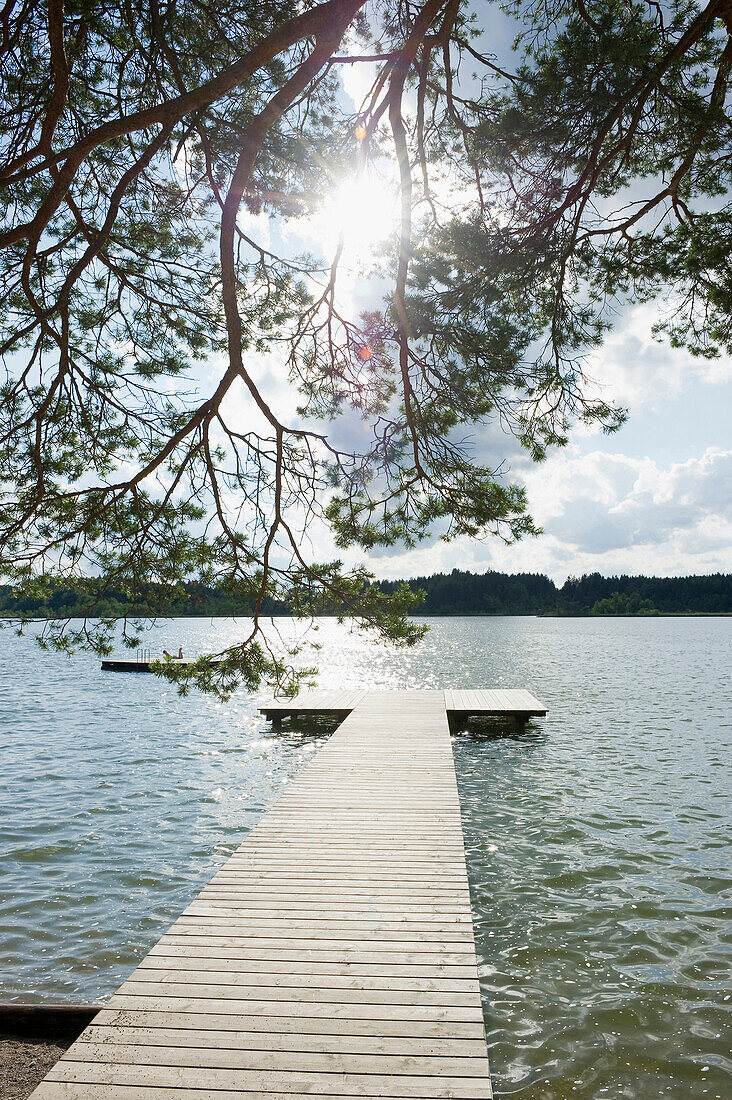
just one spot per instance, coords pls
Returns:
(138, 297)
(462, 593)
(455, 593)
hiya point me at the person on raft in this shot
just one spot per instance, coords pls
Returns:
(170, 655)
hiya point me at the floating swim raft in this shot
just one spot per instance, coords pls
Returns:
(332, 955)
(134, 664)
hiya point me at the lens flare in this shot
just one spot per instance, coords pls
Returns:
(364, 209)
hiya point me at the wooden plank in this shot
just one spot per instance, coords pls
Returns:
(330, 910)
(234, 1020)
(294, 1047)
(172, 1000)
(364, 925)
(242, 978)
(137, 1050)
(313, 702)
(294, 964)
(487, 701)
(59, 1090)
(327, 930)
(267, 1081)
(310, 999)
(156, 1033)
(332, 955)
(362, 885)
(358, 879)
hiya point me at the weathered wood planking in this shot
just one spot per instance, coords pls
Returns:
(496, 701)
(331, 956)
(513, 702)
(314, 702)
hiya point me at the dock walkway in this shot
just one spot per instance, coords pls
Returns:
(459, 705)
(331, 956)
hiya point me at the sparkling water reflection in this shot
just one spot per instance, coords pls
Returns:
(597, 839)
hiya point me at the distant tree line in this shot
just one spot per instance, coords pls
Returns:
(455, 593)
(58, 599)
(462, 593)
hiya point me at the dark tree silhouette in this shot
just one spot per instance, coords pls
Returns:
(132, 138)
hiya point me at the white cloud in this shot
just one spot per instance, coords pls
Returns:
(605, 513)
(601, 502)
(257, 226)
(613, 513)
(358, 80)
(633, 369)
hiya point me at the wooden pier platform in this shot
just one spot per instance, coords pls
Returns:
(133, 664)
(515, 703)
(331, 956)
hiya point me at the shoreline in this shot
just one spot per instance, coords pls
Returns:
(24, 1062)
(9, 618)
(33, 1036)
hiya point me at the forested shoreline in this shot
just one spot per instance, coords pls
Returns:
(455, 593)
(464, 593)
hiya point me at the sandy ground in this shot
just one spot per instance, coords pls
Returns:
(23, 1064)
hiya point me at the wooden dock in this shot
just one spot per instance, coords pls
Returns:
(331, 956)
(134, 664)
(515, 703)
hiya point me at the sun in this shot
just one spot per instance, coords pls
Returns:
(364, 210)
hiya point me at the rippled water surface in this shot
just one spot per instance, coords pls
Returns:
(597, 838)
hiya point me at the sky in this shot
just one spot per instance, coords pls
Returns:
(654, 498)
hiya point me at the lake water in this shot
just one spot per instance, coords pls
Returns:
(597, 839)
